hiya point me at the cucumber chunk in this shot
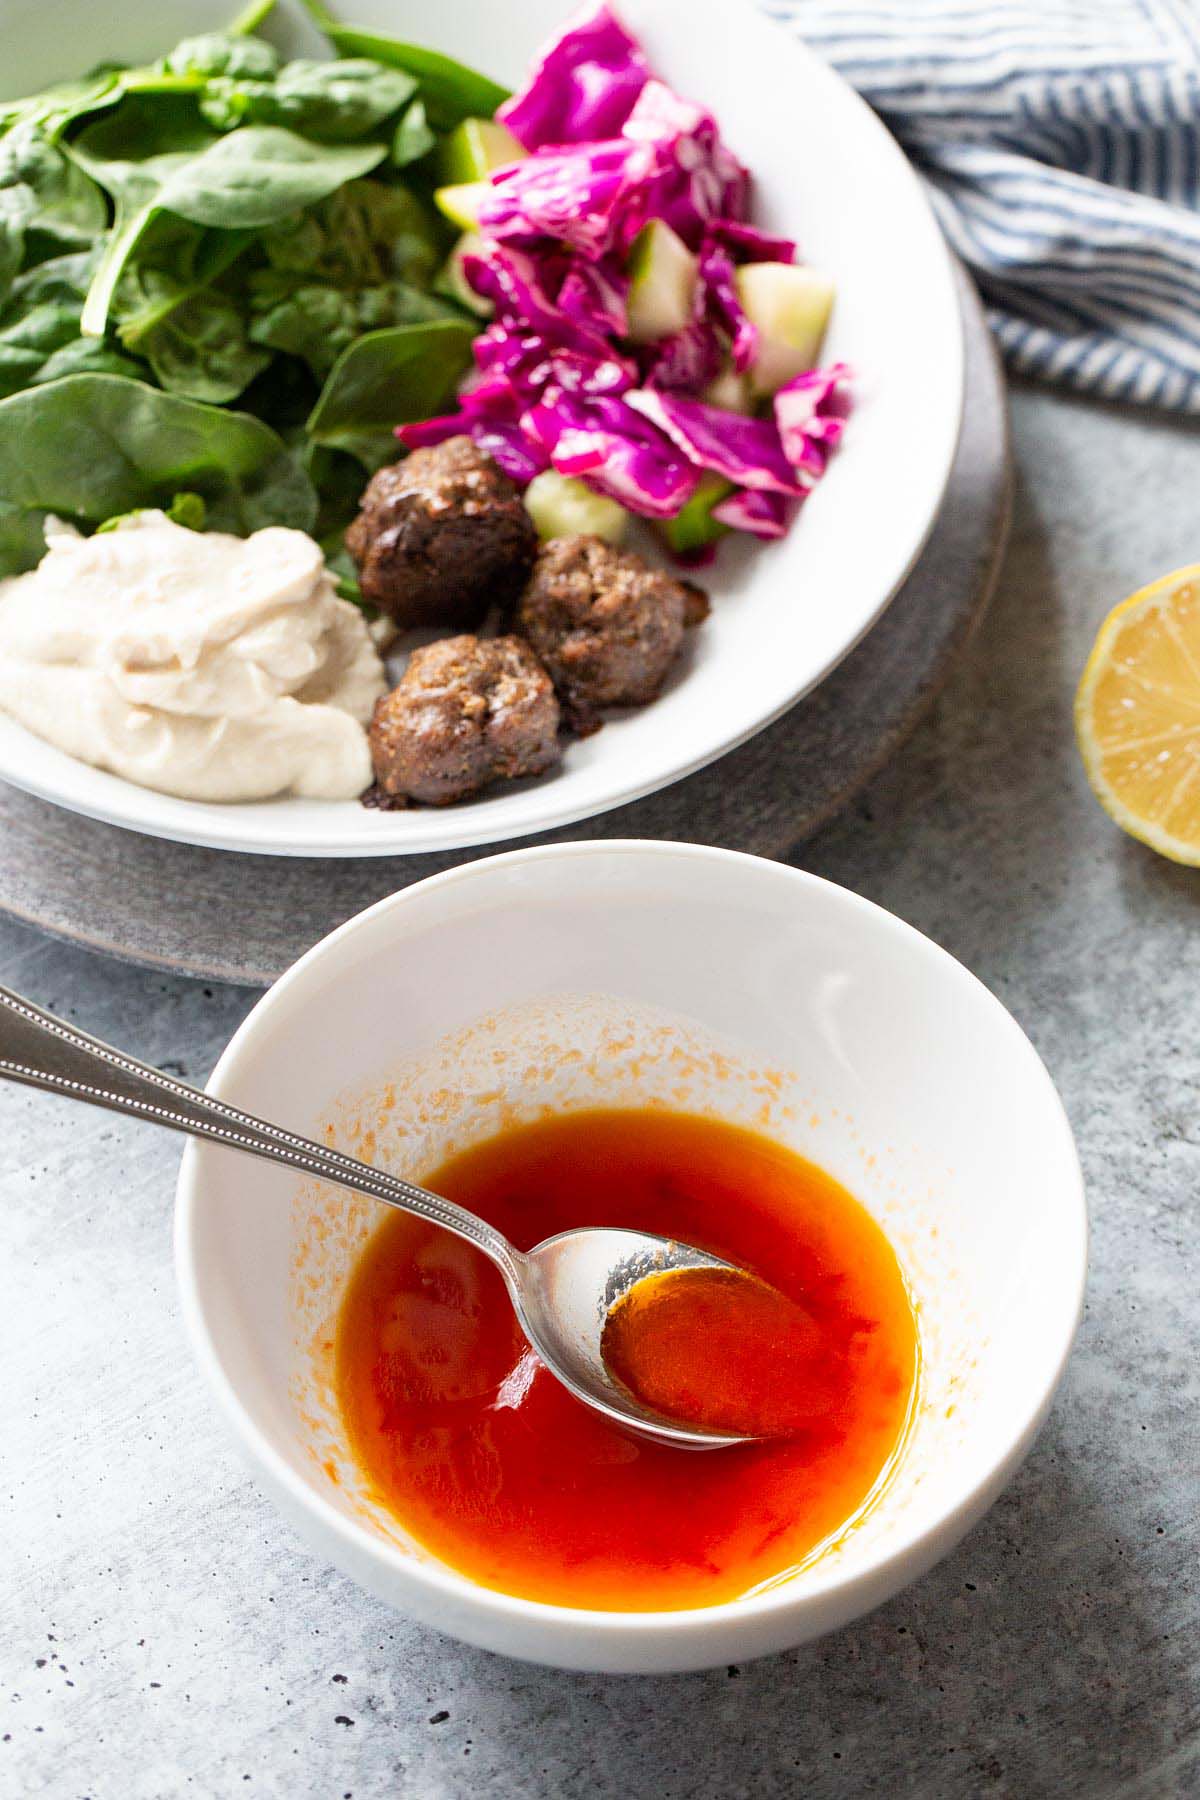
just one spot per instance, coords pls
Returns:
(561, 506)
(693, 526)
(460, 202)
(474, 148)
(790, 305)
(662, 283)
(452, 284)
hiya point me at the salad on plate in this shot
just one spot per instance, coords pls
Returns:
(460, 343)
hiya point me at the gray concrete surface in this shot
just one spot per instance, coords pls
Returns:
(162, 1634)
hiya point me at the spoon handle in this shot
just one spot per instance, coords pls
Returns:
(45, 1052)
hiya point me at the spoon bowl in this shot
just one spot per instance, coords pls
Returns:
(569, 1286)
(562, 1290)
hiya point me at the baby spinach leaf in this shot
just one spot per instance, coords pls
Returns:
(319, 322)
(342, 567)
(339, 482)
(200, 349)
(84, 356)
(354, 263)
(259, 175)
(30, 355)
(185, 70)
(12, 238)
(92, 446)
(451, 91)
(338, 479)
(331, 102)
(61, 282)
(156, 156)
(185, 509)
(344, 571)
(170, 310)
(22, 538)
(190, 257)
(366, 232)
(65, 103)
(39, 328)
(224, 53)
(47, 204)
(284, 395)
(413, 138)
(188, 509)
(385, 379)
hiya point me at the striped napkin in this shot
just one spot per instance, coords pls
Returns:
(1060, 141)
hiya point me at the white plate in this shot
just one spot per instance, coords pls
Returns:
(826, 172)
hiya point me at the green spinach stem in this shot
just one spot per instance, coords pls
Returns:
(251, 17)
(125, 233)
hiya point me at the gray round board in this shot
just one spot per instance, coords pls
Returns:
(226, 917)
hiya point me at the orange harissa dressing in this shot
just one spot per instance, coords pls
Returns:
(487, 1460)
(719, 1349)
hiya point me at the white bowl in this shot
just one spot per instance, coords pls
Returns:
(825, 171)
(618, 974)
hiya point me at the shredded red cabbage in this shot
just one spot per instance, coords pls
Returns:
(523, 290)
(493, 420)
(595, 296)
(555, 384)
(810, 413)
(762, 515)
(615, 451)
(583, 195)
(747, 451)
(694, 178)
(668, 163)
(727, 242)
(583, 85)
(746, 243)
(526, 366)
(717, 276)
(689, 360)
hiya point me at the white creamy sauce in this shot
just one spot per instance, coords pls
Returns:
(203, 665)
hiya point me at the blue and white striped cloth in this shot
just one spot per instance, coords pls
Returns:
(1060, 140)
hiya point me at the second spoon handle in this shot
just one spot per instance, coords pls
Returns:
(45, 1052)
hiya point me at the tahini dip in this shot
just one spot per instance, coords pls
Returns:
(203, 665)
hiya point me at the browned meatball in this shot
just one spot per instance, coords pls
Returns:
(607, 626)
(441, 537)
(467, 712)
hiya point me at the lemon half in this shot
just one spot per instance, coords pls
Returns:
(1137, 715)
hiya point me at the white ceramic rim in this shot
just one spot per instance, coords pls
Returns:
(915, 1551)
(115, 801)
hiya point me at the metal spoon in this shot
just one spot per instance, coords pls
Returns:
(561, 1290)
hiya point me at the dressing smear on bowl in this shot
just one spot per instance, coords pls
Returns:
(486, 1459)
